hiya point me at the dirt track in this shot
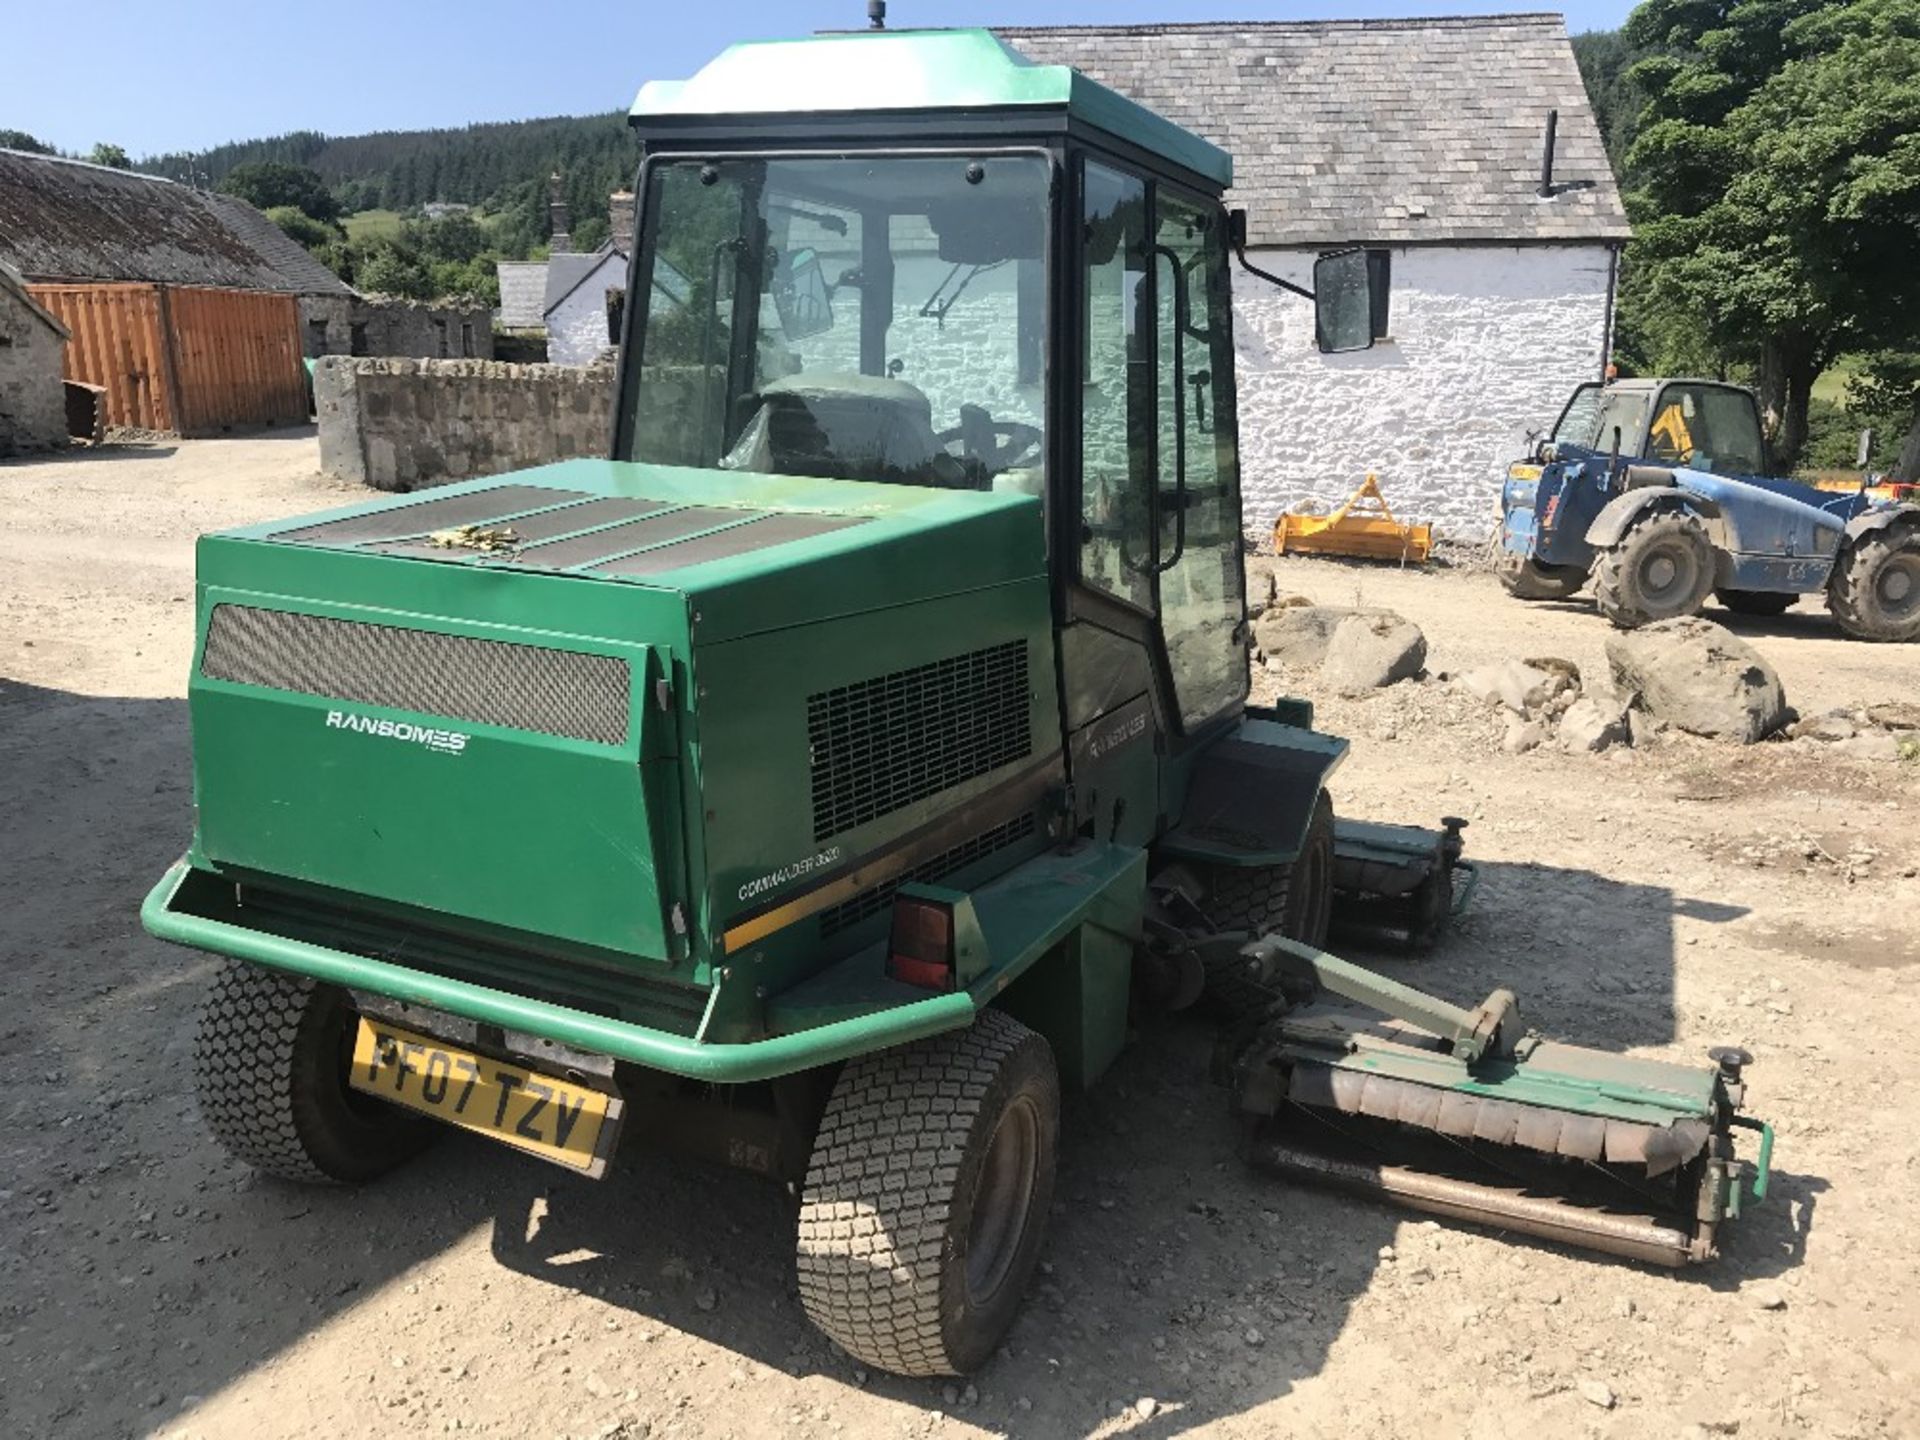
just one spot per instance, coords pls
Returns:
(1659, 901)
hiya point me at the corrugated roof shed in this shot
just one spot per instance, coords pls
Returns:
(68, 220)
(1371, 130)
(523, 293)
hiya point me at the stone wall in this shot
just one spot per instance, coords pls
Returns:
(387, 325)
(1486, 343)
(33, 407)
(403, 424)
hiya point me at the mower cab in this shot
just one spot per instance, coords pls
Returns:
(816, 781)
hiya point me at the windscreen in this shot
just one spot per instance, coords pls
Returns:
(854, 318)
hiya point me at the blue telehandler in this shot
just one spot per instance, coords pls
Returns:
(1655, 493)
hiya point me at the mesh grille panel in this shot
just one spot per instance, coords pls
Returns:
(486, 682)
(393, 521)
(871, 902)
(887, 742)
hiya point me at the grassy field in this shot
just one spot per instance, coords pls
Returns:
(372, 224)
(1832, 384)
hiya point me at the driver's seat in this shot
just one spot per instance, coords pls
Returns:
(840, 425)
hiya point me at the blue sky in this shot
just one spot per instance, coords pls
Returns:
(187, 74)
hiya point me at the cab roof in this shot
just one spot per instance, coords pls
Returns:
(891, 72)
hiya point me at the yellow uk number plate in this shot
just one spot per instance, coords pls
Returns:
(558, 1120)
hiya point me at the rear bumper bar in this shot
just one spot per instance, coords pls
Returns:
(636, 1044)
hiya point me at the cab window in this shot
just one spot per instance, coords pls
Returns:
(1707, 427)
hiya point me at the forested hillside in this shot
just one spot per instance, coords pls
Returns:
(490, 165)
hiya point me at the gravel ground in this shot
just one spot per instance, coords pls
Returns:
(1656, 901)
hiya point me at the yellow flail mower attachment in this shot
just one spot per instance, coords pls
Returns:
(1363, 526)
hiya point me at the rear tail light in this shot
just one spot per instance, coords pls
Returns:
(921, 950)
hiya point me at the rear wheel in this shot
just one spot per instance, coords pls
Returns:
(927, 1196)
(1294, 900)
(1756, 602)
(1875, 592)
(1662, 568)
(270, 1065)
(1535, 581)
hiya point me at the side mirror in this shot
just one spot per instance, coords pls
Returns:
(801, 297)
(1343, 302)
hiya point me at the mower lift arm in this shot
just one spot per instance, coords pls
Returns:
(1473, 1034)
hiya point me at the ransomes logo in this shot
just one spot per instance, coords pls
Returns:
(447, 742)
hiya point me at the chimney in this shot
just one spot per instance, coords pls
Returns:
(1546, 154)
(620, 220)
(559, 242)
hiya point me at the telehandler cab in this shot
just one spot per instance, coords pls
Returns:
(819, 780)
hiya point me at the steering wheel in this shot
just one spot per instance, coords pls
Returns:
(994, 445)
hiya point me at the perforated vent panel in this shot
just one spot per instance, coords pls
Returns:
(871, 902)
(459, 677)
(887, 742)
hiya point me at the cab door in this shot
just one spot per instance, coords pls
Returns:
(1153, 640)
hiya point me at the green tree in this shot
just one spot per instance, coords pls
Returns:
(21, 140)
(388, 268)
(312, 233)
(1775, 184)
(105, 154)
(265, 184)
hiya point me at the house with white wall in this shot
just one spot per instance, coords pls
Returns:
(1422, 141)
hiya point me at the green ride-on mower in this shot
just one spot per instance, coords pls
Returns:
(819, 782)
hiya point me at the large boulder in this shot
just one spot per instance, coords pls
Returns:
(1372, 649)
(1297, 636)
(1699, 677)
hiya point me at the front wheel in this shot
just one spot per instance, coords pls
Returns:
(1875, 591)
(270, 1065)
(927, 1196)
(1661, 569)
(1294, 900)
(1532, 580)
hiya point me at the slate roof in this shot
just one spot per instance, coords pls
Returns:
(68, 220)
(1350, 131)
(569, 270)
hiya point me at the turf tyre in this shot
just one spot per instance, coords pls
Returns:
(1627, 583)
(915, 1238)
(270, 1069)
(1294, 900)
(1862, 594)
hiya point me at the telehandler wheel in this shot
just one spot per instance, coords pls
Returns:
(1294, 900)
(1660, 569)
(927, 1196)
(270, 1066)
(1875, 590)
(1756, 602)
(1535, 581)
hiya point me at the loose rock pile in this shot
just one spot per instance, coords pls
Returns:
(1865, 732)
(1690, 674)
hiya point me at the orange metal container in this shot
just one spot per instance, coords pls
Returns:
(187, 360)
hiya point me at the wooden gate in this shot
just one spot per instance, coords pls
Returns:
(181, 359)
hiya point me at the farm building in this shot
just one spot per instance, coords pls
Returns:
(186, 307)
(194, 309)
(574, 297)
(1422, 141)
(32, 338)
